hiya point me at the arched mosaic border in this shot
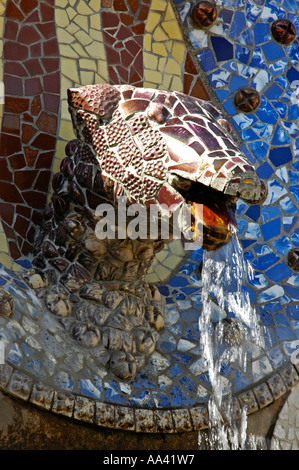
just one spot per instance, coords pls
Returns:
(145, 420)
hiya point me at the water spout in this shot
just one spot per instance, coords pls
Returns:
(229, 331)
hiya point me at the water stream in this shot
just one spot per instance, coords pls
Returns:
(229, 331)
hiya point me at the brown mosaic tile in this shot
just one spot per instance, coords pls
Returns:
(123, 29)
(12, 11)
(11, 29)
(30, 55)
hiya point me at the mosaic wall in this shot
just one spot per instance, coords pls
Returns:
(48, 46)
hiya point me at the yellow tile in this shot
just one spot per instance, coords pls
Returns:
(169, 15)
(176, 84)
(94, 4)
(61, 18)
(162, 272)
(150, 61)
(159, 49)
(66, 131)
(61, 3)
(98, 79)
(95, 34)
(173, 67)
(169, 46)
(162, 255)
(153, 20)
(87, 78)
(150, 85)
(16, 268)
(2, 7)
(65, 83)
(96, 50)
(165, 85)
(5, 259)
(79, 50)
(153, 76)
(95, 22)
(176, 248)
(159, 5)
(3, 243)
(172, 29)
(64, 37)
(178, 52)
(83, 38)
(72, 28)
(147, 42)
(103, 70)
(82, 21)
(67, 51)
(88, 64)
(71, 13)
(162, 62)
(69, 69)
(172, 262)
(160, 35)
(151, 278)
(83, 8)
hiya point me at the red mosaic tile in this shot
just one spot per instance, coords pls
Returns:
(9, 145)
(31, 68)
(5, 174)
(14, 51)
(11, 30)
(34, 67)
(7, 213)
(28, 131)
(13, 12)
(36, 50)
(126, 19)
(52, 83)
(50, 48)
(120, 5)
(30, 155)
(9, 193)
(47, 123)
(20, 226)
(36, 106)
(134, 5)
(33, 86)
(50, 64)
(44, 160)
(28, 35)
(13, 85)
(48, 30)
(15, 68)
(11, 124)
(46, 12)
(25, 179)
(17, 161)
(44, 142)
(51, 102)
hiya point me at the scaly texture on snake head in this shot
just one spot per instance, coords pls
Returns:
(166, 149)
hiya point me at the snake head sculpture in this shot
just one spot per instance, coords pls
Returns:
(165, 149)
(158, 149)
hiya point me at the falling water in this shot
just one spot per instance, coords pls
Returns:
(229, 327)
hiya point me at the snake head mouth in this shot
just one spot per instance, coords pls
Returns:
(165, 149)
